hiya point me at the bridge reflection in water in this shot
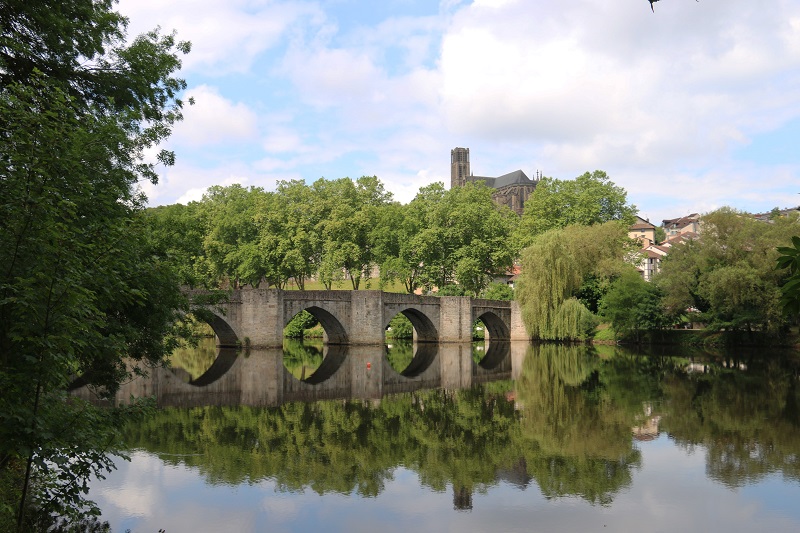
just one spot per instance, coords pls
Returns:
(259, 378)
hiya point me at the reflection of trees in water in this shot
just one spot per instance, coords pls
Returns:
(748, 421)
(302, 357)
(399, 354)
(332, 446)
(469, 439)
(195, 360)
(572, 435)
(478, 350)
(582, 438)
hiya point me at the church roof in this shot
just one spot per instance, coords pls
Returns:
(517, 177)
(512, 178)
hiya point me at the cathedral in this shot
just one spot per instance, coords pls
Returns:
(510, 189)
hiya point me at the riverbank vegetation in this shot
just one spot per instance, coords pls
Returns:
(738, 279)
(559, 270)
(578, 264)
(731, 281)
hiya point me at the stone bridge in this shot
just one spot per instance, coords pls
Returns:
(256, 317)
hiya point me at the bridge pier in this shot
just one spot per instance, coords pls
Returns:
(455, 322)
(367, 318)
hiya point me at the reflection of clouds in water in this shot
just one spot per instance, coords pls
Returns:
(147, 495)
(280, 507)
(202, 516)
(398, 508)
(174, 477)
(131, 500)
(669, 493)
(134, 488)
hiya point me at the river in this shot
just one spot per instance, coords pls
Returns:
(509, 437)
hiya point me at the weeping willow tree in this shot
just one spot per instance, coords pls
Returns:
(555, 266)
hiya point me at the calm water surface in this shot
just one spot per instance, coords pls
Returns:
(458, 438)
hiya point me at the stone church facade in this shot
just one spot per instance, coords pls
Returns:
(511, 189)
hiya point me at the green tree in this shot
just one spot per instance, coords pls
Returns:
(660, 235)
(465, 237)
(729, 272)
(177, 232)
(633, 305)
(498, 291)
(351, 211)
(82, 292)
(790, 291)
(297, 325)
(231, 246)
(287, 233)
(416, 246)
(591, 198)
(400, 327)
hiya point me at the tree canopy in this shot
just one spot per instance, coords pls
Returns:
(81, 287)
(339, 231)
(789, 258)
(633, 305)
(591, 198)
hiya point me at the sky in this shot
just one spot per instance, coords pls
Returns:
(690, 108)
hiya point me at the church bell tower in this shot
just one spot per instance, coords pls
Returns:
(459, 167)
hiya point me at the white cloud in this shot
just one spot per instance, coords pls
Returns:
(566, 80)
(214, 119)
(226, 36)
(283, 140)
(363, 79)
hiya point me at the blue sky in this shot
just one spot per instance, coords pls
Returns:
(689, 108)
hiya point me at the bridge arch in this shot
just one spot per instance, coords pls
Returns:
(335, 332)
(354, 317)
(332, 359)
(496, 327)
(496, 353)
(226, 335)
(225, 359)
(423, 326)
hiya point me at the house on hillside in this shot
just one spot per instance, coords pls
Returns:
(679, 226)
(776, 213)
(644, 231)
(680, 238)
(651, 264)
(510, 275)
(649, 261)
(678, 230)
